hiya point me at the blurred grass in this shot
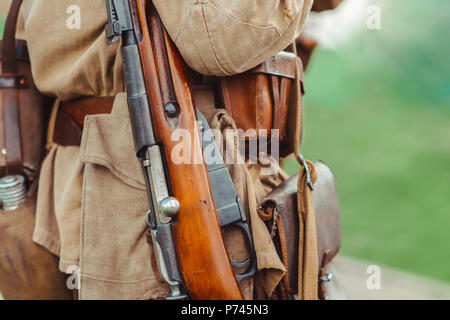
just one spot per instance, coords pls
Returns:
(2, 24)
(377, 110)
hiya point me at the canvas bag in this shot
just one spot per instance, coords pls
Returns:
(226, 37)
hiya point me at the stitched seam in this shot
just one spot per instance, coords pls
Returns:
(83, 219)
(242, 22)
(68, 262)
(199, 55)
(117, 281)
(100, 161)
(211, 43)
(183, 28)
(114, 171)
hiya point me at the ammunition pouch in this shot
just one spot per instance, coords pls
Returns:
(260, 100)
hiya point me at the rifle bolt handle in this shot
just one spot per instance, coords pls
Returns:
(169, 206)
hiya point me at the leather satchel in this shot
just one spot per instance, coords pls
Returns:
(23, 114)
(281, 206)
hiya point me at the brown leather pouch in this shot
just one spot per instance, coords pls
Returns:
(23, 114)
(281, 206)
(259, 98)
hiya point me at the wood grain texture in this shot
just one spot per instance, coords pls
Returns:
(201, 250)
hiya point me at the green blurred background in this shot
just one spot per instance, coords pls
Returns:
(377, 110)
(2, 23)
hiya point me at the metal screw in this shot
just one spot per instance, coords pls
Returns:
(171, 110)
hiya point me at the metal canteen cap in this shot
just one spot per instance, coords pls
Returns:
(12, 192)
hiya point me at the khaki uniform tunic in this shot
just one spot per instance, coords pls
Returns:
(92, 200)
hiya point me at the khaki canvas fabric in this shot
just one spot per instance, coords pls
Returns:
(70, 63)
(225, 37)
(92, 201)
(92, 213)
(252, 187)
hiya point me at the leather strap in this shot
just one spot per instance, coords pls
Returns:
(281, 70)
(78, 109)
(10, 95)
(279, 65)
(281, 87)
(21, 50)
(67, 119)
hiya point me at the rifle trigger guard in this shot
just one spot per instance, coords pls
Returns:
(239, 265)
(249, 262)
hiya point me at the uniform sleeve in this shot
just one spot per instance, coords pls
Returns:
(66, 61)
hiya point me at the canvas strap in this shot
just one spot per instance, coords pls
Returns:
(308, 258)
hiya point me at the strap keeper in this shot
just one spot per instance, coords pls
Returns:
(307, 171)
(282, 65)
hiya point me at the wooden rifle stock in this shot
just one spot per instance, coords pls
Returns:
(202, 255)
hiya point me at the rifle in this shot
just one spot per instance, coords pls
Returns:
(186, 230)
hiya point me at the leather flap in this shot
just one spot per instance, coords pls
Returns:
(283, 200)
(247, 98)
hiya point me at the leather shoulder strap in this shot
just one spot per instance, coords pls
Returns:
(10, 103)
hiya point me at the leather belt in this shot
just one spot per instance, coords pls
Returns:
(67, 125)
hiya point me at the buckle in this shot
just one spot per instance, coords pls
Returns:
(307, 170)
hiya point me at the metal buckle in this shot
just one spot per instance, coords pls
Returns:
(308, 172)
(327, 277)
